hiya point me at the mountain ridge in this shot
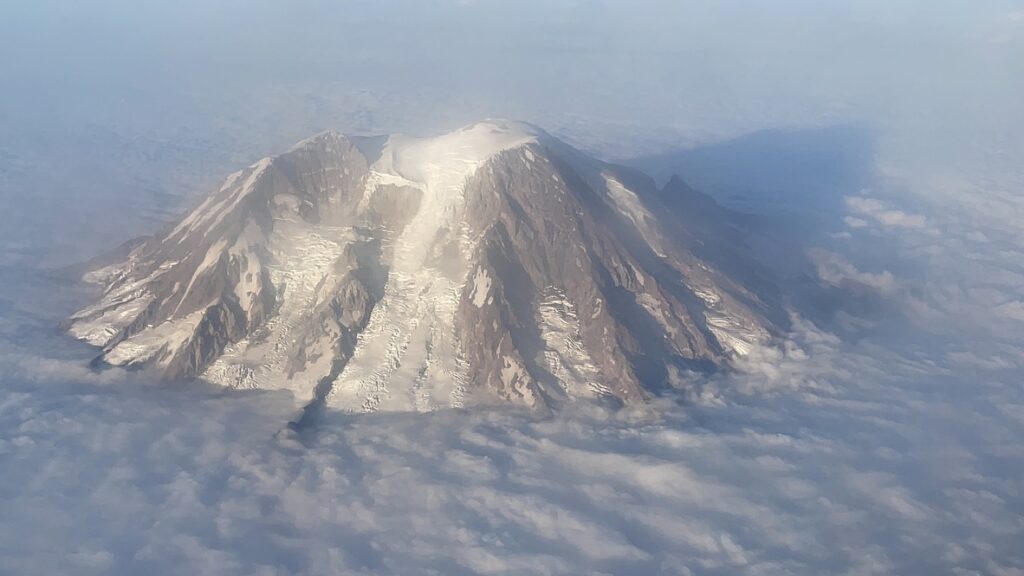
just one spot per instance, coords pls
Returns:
(491, 263)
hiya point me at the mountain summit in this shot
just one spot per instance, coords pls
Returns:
(493, 263)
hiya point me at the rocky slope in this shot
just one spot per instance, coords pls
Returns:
(494, 263)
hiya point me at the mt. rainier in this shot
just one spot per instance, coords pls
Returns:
(493, 263)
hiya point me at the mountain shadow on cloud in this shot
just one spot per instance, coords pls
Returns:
(795, 173)
(783, 191)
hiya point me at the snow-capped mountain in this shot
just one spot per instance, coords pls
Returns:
(399, 273)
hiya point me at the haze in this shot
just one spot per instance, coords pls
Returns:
(887, 138)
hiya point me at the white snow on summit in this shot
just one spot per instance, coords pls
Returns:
(411, 335)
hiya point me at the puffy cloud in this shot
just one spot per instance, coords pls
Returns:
(1013, 309)
(880, 213)
(822, 456)
(836, 270)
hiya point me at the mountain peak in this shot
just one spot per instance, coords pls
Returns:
(405, 273)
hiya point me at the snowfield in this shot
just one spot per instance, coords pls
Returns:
(411, 335)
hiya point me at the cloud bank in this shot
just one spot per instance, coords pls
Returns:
(856, 468)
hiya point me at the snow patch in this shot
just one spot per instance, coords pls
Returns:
(409, 357)
(733, 334)
(301, 258)
(250, 270)
(160, 343)
(652, 305)
(629, 205)
(481, 288)
(566, 356)
(101, 329)
(213, 255)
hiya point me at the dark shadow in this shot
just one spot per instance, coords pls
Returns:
(783, 192)
(795, 173)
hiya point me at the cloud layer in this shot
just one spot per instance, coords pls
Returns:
(827, 457)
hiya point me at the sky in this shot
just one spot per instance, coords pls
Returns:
(882, 437)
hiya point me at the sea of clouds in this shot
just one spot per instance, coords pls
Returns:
(883, 436)
(873, 456)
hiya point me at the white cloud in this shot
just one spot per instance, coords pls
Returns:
(880, 213)
(1013, 310)
(847, 465)
(834, 269)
